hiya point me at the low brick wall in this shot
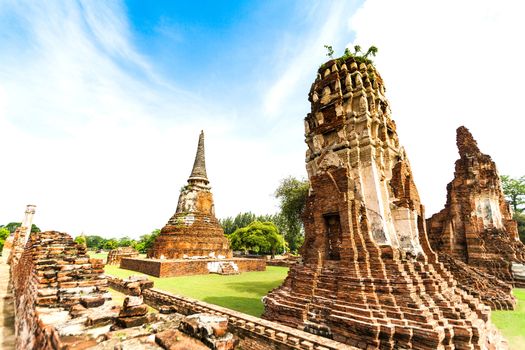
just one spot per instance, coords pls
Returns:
(254, 333)
(171, 268)
(52, 275)
(281, 263)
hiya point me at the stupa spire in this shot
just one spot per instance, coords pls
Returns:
(199, 165)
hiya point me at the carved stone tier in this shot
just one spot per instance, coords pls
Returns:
(193, 230)
(368, 276)
(476, 225)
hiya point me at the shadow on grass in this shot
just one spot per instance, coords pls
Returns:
(255, 287)
(250, 306)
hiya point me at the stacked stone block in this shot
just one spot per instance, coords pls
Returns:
(133, 313)
(133, 285)
(212, 330)
(369, 277)
(64, 272)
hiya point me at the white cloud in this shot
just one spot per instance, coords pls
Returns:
(446, 64)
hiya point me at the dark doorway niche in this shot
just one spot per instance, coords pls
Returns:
(333, 236)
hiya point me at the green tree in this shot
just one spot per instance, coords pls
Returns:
(146, 241)
(514, 190)
(330, 51)
(4, 233)
(81, 240)
(126, 242)
(241, 220)
(95, 242)
(110, 244)
(12, 226)
(230, 224)
(227, 225)
(292, 194)
(372, 51)
(258, 237)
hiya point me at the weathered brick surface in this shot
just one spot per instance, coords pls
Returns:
(115, 255)
(52, 275)
(193, 230)
(133, 285)
(182, 267)
(368, 277)
(476, 225)
(73, 314)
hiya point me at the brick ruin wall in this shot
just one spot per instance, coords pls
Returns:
(52, 272)
(171, 268)
(475, 230)
(254, 333)
(29, 329)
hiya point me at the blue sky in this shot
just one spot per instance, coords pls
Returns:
(101, 103)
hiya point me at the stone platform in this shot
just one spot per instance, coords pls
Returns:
(183, 267)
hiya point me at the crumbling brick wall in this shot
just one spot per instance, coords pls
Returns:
(52, 272)
(476, 228)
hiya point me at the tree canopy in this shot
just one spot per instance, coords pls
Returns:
(12, 226)
(80, 240)
(258, 237)
(514, 190)
(142, 245)
(230, 224)
(146, 241)
(292, 194)
(4, 233)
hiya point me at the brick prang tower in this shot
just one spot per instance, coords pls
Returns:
(368, 277)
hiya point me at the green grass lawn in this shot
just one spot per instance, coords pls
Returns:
(512, 323)
(241, 292)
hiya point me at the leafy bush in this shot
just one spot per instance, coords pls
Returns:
(4, 233)
(258, 237)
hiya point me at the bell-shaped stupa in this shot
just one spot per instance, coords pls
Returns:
(193, 231)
